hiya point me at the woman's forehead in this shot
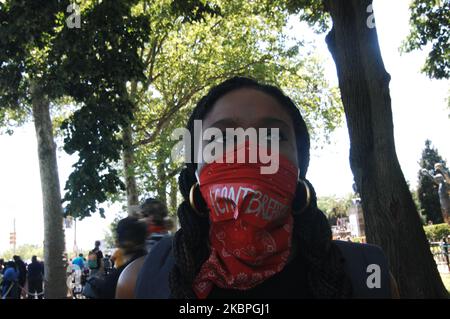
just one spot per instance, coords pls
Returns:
(247, 108)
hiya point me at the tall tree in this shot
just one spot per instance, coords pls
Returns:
(44, 58)
(390, 215)
(27, 32)
(98, 61)
(428, 190)
(107, 84)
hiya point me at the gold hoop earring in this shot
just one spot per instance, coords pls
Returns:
(192, 201)
(308, 195)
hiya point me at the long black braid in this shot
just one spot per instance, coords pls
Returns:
(312, 233)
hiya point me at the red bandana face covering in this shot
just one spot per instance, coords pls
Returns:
(250, 223)
(155, 229)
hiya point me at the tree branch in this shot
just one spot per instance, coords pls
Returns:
(163, 120)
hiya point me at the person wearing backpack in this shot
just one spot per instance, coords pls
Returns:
(95, 259)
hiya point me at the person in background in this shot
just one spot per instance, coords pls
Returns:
(444, 250)
(10, 288)
(112, 260)
(131, 235)
(2, 265)
(66, 261)
(35, 278)
(79, 261)
(95, 259)
(155, 214)
(107, 264)
(22, 268)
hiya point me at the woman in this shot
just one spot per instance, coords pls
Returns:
(284, 250)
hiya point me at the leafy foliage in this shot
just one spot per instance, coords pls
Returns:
(144, 64)
(97, 60)
(25, 252)
(311, 11)
(437, 232)
(182, 60)
(430, 26)
(110, 238)
(245, 39)
(335, 207)
(27, 31)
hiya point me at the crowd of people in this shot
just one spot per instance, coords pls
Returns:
(97, 276)
(21, 280)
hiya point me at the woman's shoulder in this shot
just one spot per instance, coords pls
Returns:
(368, 269)
(127, 279)
(366, 250)
(153, 278)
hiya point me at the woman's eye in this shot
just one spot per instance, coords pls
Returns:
(275, 137)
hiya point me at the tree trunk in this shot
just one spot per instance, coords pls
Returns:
(391, 218)
(173, 205)
(174, 202)
(128, 160)
(161, 184)
(128, 167)
(54, 244)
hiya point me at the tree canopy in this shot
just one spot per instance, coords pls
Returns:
(430, 27)
(182, 59)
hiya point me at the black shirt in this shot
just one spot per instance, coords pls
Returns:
(22, 268)
(291, 282)
(35, 271)
(99, 254)
(153, 279)
(107, 286)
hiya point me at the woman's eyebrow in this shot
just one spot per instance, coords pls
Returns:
(261, 123)
(272, 121)
(224, 123)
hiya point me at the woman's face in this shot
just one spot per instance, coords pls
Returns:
(250, 108)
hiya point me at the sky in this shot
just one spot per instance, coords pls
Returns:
(419, 109)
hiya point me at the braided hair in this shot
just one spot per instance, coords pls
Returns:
(312, 233)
